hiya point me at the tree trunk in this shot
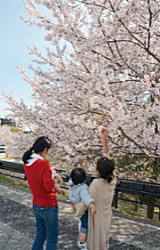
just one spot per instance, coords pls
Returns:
(155, 176)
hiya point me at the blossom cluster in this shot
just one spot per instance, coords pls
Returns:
(101, 68)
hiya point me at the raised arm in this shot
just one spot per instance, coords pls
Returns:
(104, 139)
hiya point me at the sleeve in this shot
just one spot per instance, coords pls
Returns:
(71, 195)
(92, 190)
(85, 195)
(47, 180)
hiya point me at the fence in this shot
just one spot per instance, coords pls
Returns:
(146, 193)
(2, 149)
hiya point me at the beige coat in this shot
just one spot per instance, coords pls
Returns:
(99, 225)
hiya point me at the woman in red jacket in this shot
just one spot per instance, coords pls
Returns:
(42, 185)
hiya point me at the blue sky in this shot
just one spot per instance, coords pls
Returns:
(15, 37)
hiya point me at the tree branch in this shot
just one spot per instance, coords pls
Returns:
(131, 140)
(150, 24)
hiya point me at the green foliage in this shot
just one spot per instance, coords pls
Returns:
(6, 180)
(125, 161)
(136, 211)
(14, 130)
(9, 181)
(140, 168)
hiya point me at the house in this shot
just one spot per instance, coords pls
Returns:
(7, 121)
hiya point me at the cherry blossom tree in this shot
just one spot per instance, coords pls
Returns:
(11, 137)
(101, 68)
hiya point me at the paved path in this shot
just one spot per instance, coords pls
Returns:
(17, 226)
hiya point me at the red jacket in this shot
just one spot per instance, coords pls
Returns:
(42, 185)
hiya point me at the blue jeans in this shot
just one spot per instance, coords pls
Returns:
(84, 223)
(46, 227)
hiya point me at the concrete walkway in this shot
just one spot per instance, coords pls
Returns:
(17, 226)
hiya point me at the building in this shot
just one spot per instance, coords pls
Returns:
(7, 121)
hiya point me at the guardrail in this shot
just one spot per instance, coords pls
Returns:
(145, 192)
(18, 168)
(2, 149)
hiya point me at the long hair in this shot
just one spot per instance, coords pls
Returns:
(39, 145)
(105, 168)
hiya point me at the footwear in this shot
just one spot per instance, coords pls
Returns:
(83, 245)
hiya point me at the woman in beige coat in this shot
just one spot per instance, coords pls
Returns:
(102, 191)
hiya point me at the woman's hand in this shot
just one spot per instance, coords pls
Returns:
(104, 132)
(92, 208)
(58, 189)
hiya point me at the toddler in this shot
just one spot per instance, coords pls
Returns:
(79, 194)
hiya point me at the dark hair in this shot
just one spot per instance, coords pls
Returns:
(105, 168)
(78, 176)
(39, 145)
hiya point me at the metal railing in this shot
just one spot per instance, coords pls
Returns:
(2, 149)
(143, 193)
(146, 193)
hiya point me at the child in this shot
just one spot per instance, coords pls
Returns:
(102, 191)
(79, 193)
